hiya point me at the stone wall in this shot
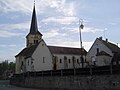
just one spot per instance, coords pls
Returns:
(102, 82)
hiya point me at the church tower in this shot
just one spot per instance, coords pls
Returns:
(34, 36)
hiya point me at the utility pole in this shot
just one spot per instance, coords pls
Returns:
(81, 26)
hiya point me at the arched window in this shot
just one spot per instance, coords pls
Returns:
(22, 63)
(60, 60)
(28, 62)
(78, 61)
(69, 60)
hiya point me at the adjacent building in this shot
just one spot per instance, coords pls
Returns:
(103, 53)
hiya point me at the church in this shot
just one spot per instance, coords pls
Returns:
(38, 56)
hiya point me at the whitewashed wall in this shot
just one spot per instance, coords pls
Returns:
(41, 52)
(69, 64)
(28, 64)
(103, 60)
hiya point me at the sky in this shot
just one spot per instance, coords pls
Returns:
(58, 21)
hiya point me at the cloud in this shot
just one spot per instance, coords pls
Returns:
(18, 5)
(51, 33)
(10, 46)
(60, 20)
(64, 43)
(86, 30)
(10, 30)
(112, 23)
(6, 34)
(60, 6)
(22, 26)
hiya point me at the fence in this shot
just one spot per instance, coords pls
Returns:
(104, 70)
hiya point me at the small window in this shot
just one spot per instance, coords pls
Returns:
(22, 63)
(43, 59)
(31, 62)
(69, 60)
(28, 62)
(60, 60)
(36, 41)
(42, 44)
(78, 61)
(97, 50)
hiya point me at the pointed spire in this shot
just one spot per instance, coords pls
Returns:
(34, 27)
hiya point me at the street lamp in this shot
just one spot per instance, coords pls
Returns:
(81, 26)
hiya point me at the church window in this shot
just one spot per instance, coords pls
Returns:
(69, 60)
(74, 59)
(43, 59)
(36, 41)
(22, 63)
(78, 61)
(60, 60)
(28, 62)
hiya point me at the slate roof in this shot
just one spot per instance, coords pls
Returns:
(27, 52)
(66, 50)
(103, 53)
(114, 48)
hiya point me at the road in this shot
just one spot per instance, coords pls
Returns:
(4, 85)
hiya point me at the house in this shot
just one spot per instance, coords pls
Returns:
(103, 53)
(38, 56)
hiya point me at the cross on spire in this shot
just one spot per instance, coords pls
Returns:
(34, 2)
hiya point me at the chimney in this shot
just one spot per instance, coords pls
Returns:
(117, 45)
(106, 40)
(100, 38)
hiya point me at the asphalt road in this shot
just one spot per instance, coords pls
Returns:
(4, 85)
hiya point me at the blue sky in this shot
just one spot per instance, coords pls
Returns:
(58, 21)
